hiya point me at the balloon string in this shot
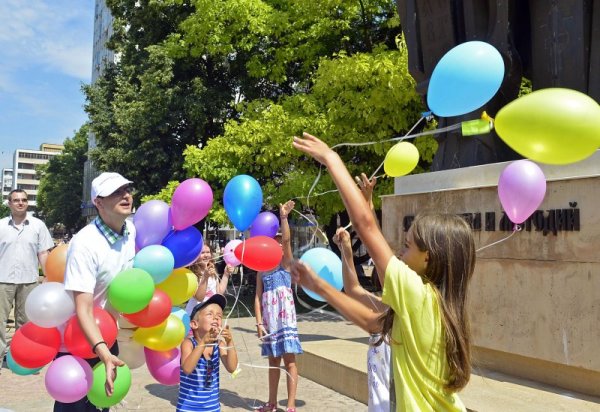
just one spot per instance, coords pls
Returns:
(400, 138)
(516, 229)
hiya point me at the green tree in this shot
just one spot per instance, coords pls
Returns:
(366, 97)
(61, 184)
(4, 210)
(183, 65)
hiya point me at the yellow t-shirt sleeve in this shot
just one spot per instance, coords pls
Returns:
(403, 287)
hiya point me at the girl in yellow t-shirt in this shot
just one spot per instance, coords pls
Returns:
(426, 289)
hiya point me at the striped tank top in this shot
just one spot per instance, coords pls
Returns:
(199, 391)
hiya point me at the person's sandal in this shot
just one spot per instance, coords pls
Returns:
(290, 410)
(268, 407)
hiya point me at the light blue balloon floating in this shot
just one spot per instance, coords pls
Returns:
(18, 369)
(242, 200)
(465, 79)
(185, 318)
(157, 260)
(327, 265)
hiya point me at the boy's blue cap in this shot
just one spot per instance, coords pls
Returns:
(216, 298)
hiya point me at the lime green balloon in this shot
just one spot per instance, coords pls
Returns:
(97, 394)
(554, 126)
(401, 159)
(162, 337)
(131, 290)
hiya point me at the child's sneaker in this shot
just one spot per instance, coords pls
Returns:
(268, 407)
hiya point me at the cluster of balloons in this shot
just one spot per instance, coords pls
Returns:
(242, 200)
(553, 126)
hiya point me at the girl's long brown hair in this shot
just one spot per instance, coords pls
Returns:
(449, 241)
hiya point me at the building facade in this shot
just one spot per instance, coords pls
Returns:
(7, 179)
(24, 174)
(102, 56)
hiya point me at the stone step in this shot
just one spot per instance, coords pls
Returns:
(341, 365)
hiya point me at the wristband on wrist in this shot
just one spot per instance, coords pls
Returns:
(97, 344)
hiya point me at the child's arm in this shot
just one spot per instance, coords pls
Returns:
(286, 237)
(202, 282)
(257, 304)
(190, 355)
(360, 215)
(351, 285)
(222, 286)
(228, 352)
(351, 309)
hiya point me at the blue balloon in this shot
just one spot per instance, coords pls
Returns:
(185, 318)
(18, 369)
(185, 245)
(242, 200)
(157, 260)
(465, 79)
(327, 265)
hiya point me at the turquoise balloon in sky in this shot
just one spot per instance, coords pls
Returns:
(465, 79)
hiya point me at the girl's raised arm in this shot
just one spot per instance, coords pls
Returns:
(362, 218)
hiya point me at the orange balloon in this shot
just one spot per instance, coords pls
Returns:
(56, 263)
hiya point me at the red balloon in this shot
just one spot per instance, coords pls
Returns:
(33, 346)
(75, 339)
(156, 312)
(260, 253)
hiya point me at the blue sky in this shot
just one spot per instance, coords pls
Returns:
(45, 57)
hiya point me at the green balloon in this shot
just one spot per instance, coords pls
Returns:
(97, 393)
(131, 290)
(554, 126)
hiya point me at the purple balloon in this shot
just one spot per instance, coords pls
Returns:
(164, 366)
(191, 202)
(152, 223)
(185, 245)
(521, 189)
(68, 379)
(265, 224)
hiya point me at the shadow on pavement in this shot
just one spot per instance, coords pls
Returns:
(169, 393)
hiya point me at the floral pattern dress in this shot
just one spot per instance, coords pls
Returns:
(279, 314)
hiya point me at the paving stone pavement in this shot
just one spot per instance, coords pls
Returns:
(245, 392)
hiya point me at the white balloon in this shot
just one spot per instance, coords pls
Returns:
(130, 352)
(49, 305)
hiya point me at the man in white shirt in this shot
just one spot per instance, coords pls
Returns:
(24, 244)
(97, 253)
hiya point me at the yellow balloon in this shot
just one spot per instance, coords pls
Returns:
(162, 337)
(401, 159)
(554, 126)
(181, 285)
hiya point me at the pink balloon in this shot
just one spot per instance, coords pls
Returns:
(521, 189)
(229, 255)
(191, 202)
(164, 366)
(68, 379)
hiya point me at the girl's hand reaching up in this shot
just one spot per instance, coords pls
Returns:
(342, 240)
(313, 147)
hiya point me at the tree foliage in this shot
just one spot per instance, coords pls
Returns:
(366, 97)
(61, 184)
(184, 64)
(4, 210)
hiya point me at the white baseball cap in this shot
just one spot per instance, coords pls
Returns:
(106, 184)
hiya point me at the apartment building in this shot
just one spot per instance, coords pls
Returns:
(7, 179)
(25, 162)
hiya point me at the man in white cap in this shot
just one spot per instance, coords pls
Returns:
(97, 253)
